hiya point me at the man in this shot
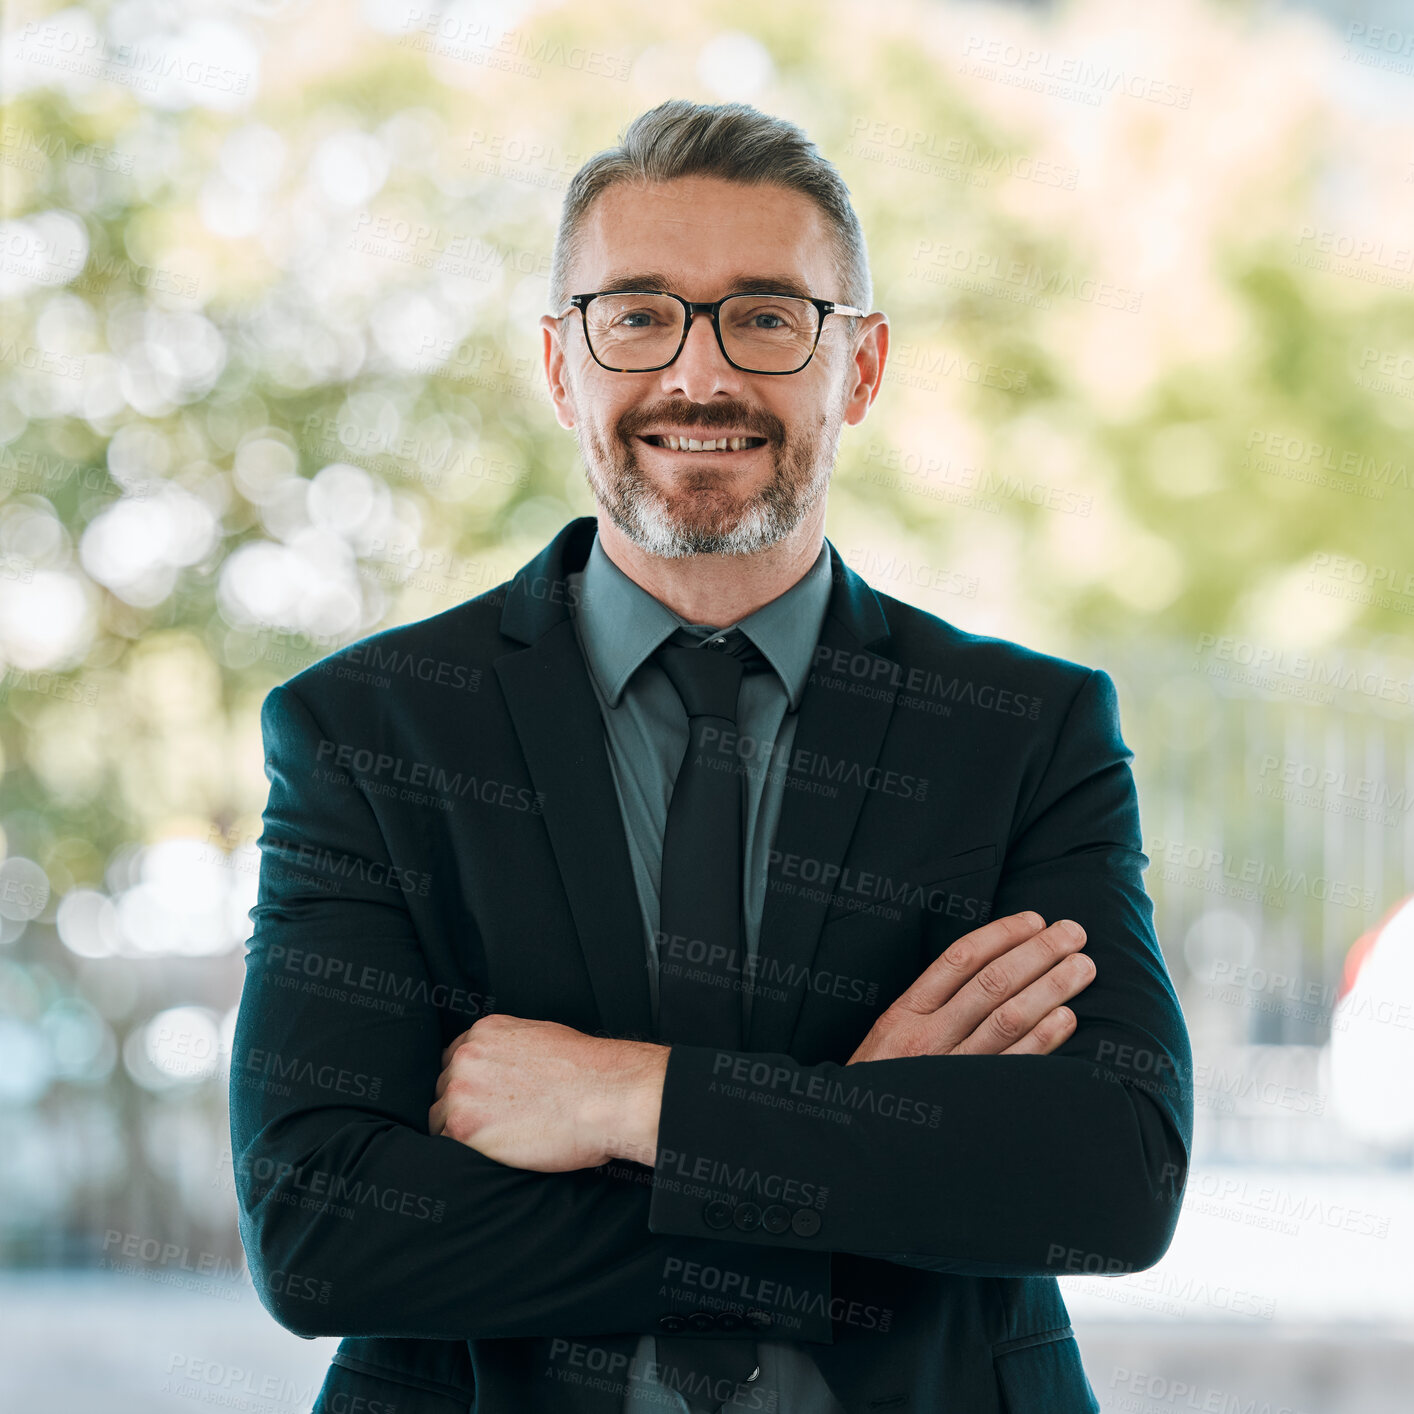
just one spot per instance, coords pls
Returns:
(675, 1019)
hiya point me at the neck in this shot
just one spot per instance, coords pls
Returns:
(718, 590)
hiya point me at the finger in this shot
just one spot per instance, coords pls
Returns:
(962, 959)
(1048, 1033)
(1009, 1022)
(1005, 977)
(436, 1118)
(452, 1045)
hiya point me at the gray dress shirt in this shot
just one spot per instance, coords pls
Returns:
(619, 626)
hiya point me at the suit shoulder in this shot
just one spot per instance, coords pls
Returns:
(931, 642)
(453, 648)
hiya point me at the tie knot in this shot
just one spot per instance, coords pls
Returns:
(708, 677)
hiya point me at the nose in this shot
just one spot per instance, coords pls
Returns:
(700, 371)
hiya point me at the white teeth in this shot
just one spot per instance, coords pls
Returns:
(692, 444)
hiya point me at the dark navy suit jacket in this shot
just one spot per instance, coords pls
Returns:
(442, 839)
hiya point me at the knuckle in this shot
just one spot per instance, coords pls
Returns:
(994, 984)
(1008, 1023)
(960, 959)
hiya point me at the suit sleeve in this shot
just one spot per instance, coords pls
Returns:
(354, 1219)
(986, 1165)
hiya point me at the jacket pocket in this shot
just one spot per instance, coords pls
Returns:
(921, 876)
(1043, 1374)
(969, 861)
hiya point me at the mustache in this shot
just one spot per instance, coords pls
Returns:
(706, 421)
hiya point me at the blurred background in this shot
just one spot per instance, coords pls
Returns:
(269, 380)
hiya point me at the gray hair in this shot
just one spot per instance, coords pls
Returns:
(732, 141)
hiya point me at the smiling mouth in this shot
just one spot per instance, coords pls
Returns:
(719, 445)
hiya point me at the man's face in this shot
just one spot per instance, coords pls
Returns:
(697, 237)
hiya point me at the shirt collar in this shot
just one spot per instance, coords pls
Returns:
(621, 624)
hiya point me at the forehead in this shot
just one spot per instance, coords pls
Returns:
(701, 237)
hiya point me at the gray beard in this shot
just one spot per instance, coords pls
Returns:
(648, 520)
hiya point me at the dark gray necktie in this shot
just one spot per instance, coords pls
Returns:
(702, 935)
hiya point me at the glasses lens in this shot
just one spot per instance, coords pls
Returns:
(762, 333)
(769, 333)
(632, 332)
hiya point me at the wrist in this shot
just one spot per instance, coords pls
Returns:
(631, 1130)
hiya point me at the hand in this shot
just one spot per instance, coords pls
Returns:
(539, 1095)
(994, 991)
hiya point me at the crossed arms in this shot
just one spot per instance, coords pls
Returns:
(1023, 1159)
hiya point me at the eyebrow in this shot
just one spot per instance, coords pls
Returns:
(742, 285)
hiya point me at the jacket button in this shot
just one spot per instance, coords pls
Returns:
(717, 1214)
(775, 1218)
(805, 1222)
(671, 1323)
(747, 1217)
(760, 1320)
(702, 1321)
(728, 1321)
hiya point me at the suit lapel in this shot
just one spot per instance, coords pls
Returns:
(556, 716)
(841, 725)
(840, 728)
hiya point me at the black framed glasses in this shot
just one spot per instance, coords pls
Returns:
(640, 331)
